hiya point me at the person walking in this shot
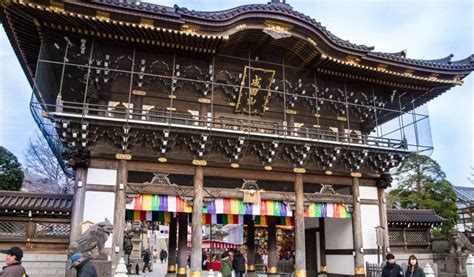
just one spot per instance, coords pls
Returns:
(204, 260)
(83, 266)
(413, 269)
(163, 255)
(226, 265)
(239, 264)
(146, 261)
(392, 269)
(13, 261)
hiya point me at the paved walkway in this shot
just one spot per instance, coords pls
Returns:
(159, 270)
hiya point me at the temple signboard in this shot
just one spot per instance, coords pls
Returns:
(254, 92)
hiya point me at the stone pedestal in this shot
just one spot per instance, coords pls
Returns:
(103, 267)
(455, 263)
(135, 257)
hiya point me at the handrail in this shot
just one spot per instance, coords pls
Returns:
(170, 116)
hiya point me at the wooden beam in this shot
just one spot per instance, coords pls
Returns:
(104, 163)
(243, 173)
(209, 193)
(161, 167)
(94, 187)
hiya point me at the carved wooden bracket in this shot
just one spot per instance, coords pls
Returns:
(136, 188)
(161, 179)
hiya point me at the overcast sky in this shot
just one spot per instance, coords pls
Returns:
(428, 29)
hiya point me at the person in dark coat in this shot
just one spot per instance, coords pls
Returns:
(83, 266)
(392, 269)
(146, 261)
(163, 255)
(413, 270)
(204, 261)
(239, 264)
(13, 260)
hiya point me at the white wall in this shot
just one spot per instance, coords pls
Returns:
(368, 193)
(99, 205)
(370, 219)
(98, 176)
(340, 264)
(373, 258)
(338, 233)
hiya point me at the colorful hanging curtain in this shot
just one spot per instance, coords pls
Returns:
(164, 203)
(238, 207)
(133, 215)
(327, 210)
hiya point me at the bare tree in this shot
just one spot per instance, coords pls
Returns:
(43, 167)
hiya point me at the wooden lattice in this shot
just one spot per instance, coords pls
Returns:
(416, 237)
(12, 229)
(395, 237)
(52, 230)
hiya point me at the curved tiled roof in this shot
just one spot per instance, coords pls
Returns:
(464, 193)
(413, 216)
(210, 18)
(225, 15)
(443, 63)
(35, 201)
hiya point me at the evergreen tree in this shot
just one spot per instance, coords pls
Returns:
(423, 185)
(11, 174)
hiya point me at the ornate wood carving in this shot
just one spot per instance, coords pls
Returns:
(326, 158)
(251, 191)
(162, 142)
(298, 155)
(384, 181)
(267, 152)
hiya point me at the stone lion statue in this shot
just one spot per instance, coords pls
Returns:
(95, 236)
(459, 243)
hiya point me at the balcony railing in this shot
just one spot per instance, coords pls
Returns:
(225, 124)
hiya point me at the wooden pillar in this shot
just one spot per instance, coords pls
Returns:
(182, 244)
(119, 213)
(78, 203)
(383, 220)
(300, 259)
(250, 246)
(357, 230)
(322, 247)
(272, 247)
(172, 246)
(196, 236)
